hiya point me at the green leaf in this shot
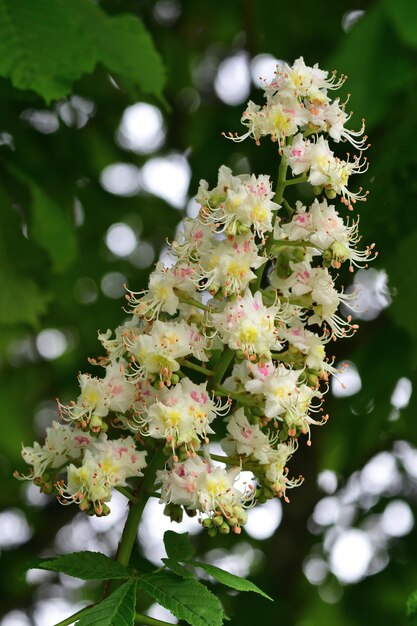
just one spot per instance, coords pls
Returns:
(230, 580)
(49, 227)
(125, 47)
(48, 44)
(52, 230)
(178, 546)
(177, 568)
(21, 300)
(118, 609)
(371, 89)
(43, 46)
(186, 599)
(85, 565)
(403, 14)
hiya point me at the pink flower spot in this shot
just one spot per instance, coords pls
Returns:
(81, 440)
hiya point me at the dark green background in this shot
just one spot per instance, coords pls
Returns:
(38, 272)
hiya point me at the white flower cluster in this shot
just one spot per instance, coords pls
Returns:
(94, 465)
(297, 106)
(236, 326)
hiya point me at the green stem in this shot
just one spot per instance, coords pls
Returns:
(303, 301)
(198, 368)
(235, 396)
(287, 206)
(150, 621)
(196, 303)
(130, 530)
(221, 459)
(287, 357)
(297, 243)
(154, 494)
(221, 367)
(75, 616)
(296, 181)
(279, 193)
(282, 172)
(312, 131)
(127, 494)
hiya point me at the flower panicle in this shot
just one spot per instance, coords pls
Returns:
(236, 328)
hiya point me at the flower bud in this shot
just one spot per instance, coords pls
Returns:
(224, 529)
(105, 510)
(312, 380)
(299, 254)
(215, 200)
(339, 251)
(207, 522)
(260, 496)
(96, 423)
(330, 193)
(174, 512)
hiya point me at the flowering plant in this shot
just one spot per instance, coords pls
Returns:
(234, 329)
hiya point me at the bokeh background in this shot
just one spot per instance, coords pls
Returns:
(93, 183)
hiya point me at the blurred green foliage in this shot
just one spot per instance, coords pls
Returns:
(55, 214)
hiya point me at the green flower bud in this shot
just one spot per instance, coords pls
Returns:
(269, 494)
(283, 435)
(174, 512)
(242, 517)
(224, 529)
(96, 422)
(299, 254)
(105, 511)
(312, 380)
(216, 199)
(282, 266)
(327, 257)
(339, 251)
(212, 532)
(330, 193)
(233, 228)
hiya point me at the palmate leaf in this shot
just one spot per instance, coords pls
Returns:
(118, 609)
(230, 580)
(48, 44)
(43, 46)
(178, 546)
(177, 568)
(85, 565)
(187, 599)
